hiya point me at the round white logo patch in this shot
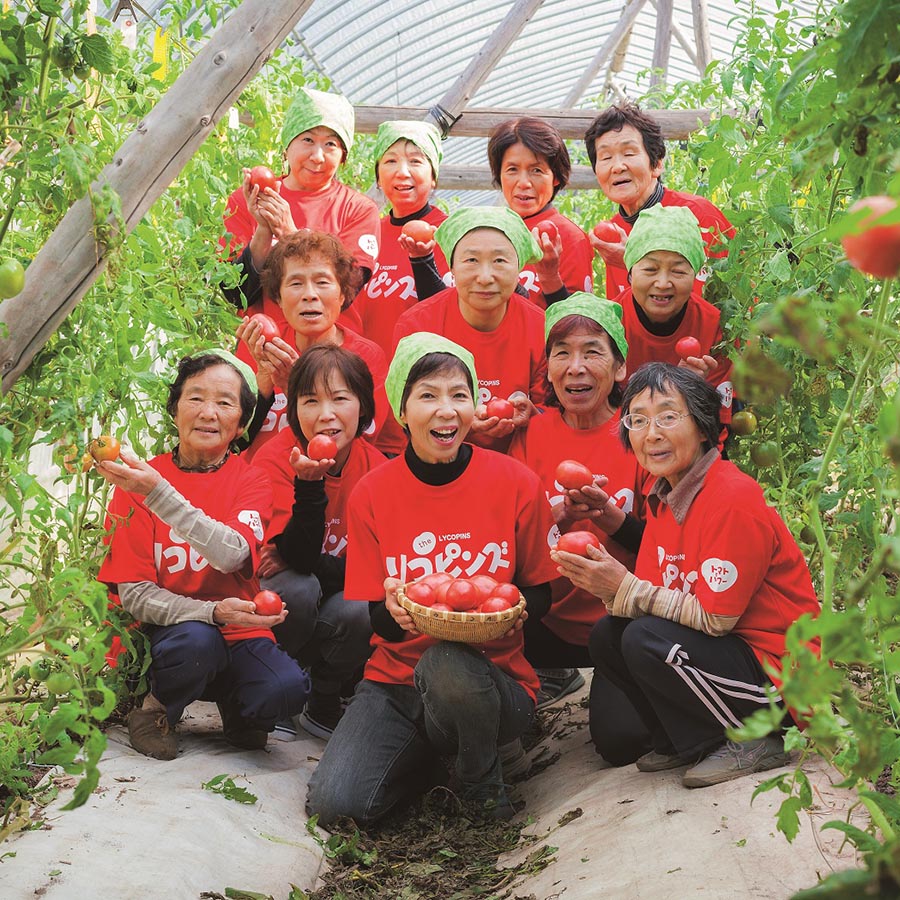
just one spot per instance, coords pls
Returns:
(719, 574)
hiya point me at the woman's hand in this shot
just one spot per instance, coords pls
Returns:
(277, 360)
(547, 267)
(276, 213)
(518, 625)
(613, 253)
(702, 365)
(307, 469)
(270, 561)
(415, 249)
(399, 614)
(592, 502)
(233, 611)
(495, 427)
(134, 476)
(600, 574)
(252, 196)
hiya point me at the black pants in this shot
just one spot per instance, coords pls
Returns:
(686, 686)
(545, 650)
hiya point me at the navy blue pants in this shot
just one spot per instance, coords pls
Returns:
(255, 678)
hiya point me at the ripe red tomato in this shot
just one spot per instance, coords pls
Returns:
(688, 346)
(462, 595)
(495, 604)
(573, 475)
(440, 592)
(435, 580)
(549, 229)
(267, 603)
(322, 446)
(508, 591)
(266, 325)
(105, 448)
(485, 585)
(263, 177)
(423, 594)
(503, 409)
(577, 542)
(875, 251)
(442, 607)
(606, 232)
(419, 231)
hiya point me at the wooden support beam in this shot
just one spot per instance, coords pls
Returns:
(701, 34)
(681, 37)
(662, 45)
(482, 63)
(149, 160)
(621, 29)
(478, 178)
(676, 124)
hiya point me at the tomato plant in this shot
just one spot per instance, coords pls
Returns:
(322, 446)
(268, 603)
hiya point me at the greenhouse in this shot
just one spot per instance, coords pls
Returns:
(449, 449)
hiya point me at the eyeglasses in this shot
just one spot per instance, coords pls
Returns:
(663, 420)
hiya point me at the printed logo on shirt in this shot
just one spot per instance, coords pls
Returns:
(386, 284)
(368, 243)
(277, 414)
(333, 544)
(719, 574)
(450, 552)
(178, 555)
(671, 574)
(726, 394)
(251, 518)
(553, 536)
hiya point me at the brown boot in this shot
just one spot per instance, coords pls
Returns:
(151, 734)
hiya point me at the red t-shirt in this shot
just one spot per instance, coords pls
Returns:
(712, 223)
(546, 442)
(701, 320)
(509, 358)
(339, 210)
(276, 419)
(273, 461)
(736, 555)
(403, 528)
(576, 263)
(144, 548)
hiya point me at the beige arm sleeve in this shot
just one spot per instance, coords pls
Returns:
(150, 603)
(636, 598)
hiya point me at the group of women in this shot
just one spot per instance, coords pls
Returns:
(388, 349)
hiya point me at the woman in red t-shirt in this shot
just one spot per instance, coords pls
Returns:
(718, 581)
(313, 278)
(184, 535)
(330, 398)
(420, 513)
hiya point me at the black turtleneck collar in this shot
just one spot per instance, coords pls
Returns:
(437, 474)
(652, 200)
(419, 214)
(660, 329)
(540, 212)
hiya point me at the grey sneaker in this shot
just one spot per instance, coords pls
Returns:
(659, 762)
(732, 760)
(556, 684)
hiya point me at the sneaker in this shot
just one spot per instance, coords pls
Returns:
(489, 796)
(286, 729)
(513, 760)
(659, 762)
(241, 732)
(151, 734)
(556, 684)
(322, 713)
(732, 760)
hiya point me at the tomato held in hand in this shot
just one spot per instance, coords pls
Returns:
(500, 408)
(495, 604)
(606, 232)
(744, 422)
(263, 177)
(423, 594)
(267, 603)
(267, 326)
(875, 251)
(688, 346)
(577, 542)
(105, 448)
(322, 446)
(462, 595)
(573, 475)
(419, 231)
(12, 278)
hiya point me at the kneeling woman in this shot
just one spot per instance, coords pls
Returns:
(718, 581)
(423, 512)
(183, 557)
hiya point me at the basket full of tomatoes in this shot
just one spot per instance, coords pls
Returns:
(471, 610)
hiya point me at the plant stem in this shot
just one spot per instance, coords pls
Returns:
(43, 82)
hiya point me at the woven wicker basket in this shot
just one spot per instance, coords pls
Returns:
(467, 627)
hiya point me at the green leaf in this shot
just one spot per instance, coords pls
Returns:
(225, 786)
(788, 818)
(98, 54)
(860, 839)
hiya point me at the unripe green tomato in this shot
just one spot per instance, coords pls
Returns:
(40, 669)
(60, 683)
(12, 278)
(808, 534)
(764, 454)
(744, 422)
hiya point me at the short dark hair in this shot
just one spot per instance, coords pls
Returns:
(541, 138)
(323, 362)
(189, 366)
(559, 332)
(700, 397)
(433, 364)
(615, 118)
(408, 141)
(302, 245)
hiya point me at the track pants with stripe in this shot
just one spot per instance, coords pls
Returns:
(687, 686)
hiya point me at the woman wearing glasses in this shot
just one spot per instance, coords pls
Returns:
(718, 581)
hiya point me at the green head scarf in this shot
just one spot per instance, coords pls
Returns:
(311, 109)
(501, 218)
(409, 351)
(605, 313)
(243, 370)
(423, 134)
(673, 228)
